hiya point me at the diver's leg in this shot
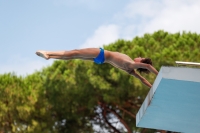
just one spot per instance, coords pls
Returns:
(66, 58)
(72, 54)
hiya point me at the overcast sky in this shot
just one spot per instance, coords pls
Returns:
(30, 25)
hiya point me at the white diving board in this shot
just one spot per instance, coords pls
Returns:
(173, 102)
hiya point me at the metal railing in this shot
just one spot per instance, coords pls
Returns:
(187, 63)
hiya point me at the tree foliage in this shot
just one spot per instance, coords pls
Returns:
(80, 96)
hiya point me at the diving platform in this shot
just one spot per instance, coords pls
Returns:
(173, 102)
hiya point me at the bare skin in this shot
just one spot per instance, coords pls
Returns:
(116, 59)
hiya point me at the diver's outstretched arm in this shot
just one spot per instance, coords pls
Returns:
(142, 79)
(145, 66)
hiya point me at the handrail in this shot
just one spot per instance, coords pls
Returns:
(187, 63)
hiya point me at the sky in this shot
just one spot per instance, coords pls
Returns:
(30, 25)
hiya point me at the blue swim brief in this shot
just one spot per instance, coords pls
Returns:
(100, 58)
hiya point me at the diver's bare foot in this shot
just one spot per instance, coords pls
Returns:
(42, 54)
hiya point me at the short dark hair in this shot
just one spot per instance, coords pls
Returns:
(143, 70)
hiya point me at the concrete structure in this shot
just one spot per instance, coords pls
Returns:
(173, 103)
